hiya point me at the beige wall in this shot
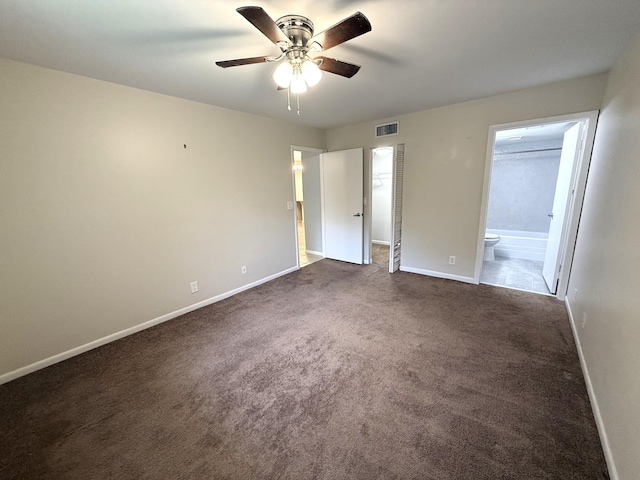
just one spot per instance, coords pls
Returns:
(606, 270)
(445, 162)
(106, 218)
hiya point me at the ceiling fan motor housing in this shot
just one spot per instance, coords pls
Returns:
(297, 29)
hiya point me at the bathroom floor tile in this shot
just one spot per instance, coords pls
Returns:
(305, 258)
(515, 273)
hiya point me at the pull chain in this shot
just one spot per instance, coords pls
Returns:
(289, 101)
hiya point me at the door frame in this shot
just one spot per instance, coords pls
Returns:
(572, 216)
(293, 192)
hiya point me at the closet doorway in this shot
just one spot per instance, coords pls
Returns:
(381, 202)
(383, 214)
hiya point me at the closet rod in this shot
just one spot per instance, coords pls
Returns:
(530, 151)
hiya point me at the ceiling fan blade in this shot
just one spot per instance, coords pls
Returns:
(349, 28)
(263, 22)
(241, 61)
(332, 65)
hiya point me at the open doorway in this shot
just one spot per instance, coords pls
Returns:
(308, 205)
(381, 203)
(535, 179)
(383, 210)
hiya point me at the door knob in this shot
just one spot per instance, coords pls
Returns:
(550, 215)
(357, 215)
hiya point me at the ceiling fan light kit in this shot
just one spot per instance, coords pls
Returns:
(297, 74)
(293, 34)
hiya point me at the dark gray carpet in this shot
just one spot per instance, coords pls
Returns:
(335, 371)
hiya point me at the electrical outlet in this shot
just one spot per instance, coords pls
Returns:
(289, 205)
(452, 260)
(584, 319)
(194, 287)
(243, 269)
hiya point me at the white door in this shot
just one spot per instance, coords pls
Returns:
(562, 198)
(396, 208)
(342, 194)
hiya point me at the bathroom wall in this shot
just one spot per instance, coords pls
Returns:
(381, 191)
(523, 186)
(299, 187)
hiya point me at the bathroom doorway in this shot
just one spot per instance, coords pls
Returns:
(534, 184)
(307, 205)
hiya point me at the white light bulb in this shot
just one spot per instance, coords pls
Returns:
(311, 73)
(298, 84)
(283, 74)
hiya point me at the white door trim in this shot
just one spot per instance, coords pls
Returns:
(574, 210)
(367, 206)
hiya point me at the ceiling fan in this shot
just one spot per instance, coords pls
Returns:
(293, 34)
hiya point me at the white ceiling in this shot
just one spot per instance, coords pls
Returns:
(420, 53)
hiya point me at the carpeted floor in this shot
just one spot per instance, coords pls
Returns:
(335, 371)
(380, 254)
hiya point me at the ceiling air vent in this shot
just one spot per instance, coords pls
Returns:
(386, 130)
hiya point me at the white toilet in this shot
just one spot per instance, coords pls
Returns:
(489, 242)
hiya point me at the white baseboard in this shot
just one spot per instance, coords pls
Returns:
(606, 447)
(381, 242)
(20, 372)
(431, 273)
(313, 252)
